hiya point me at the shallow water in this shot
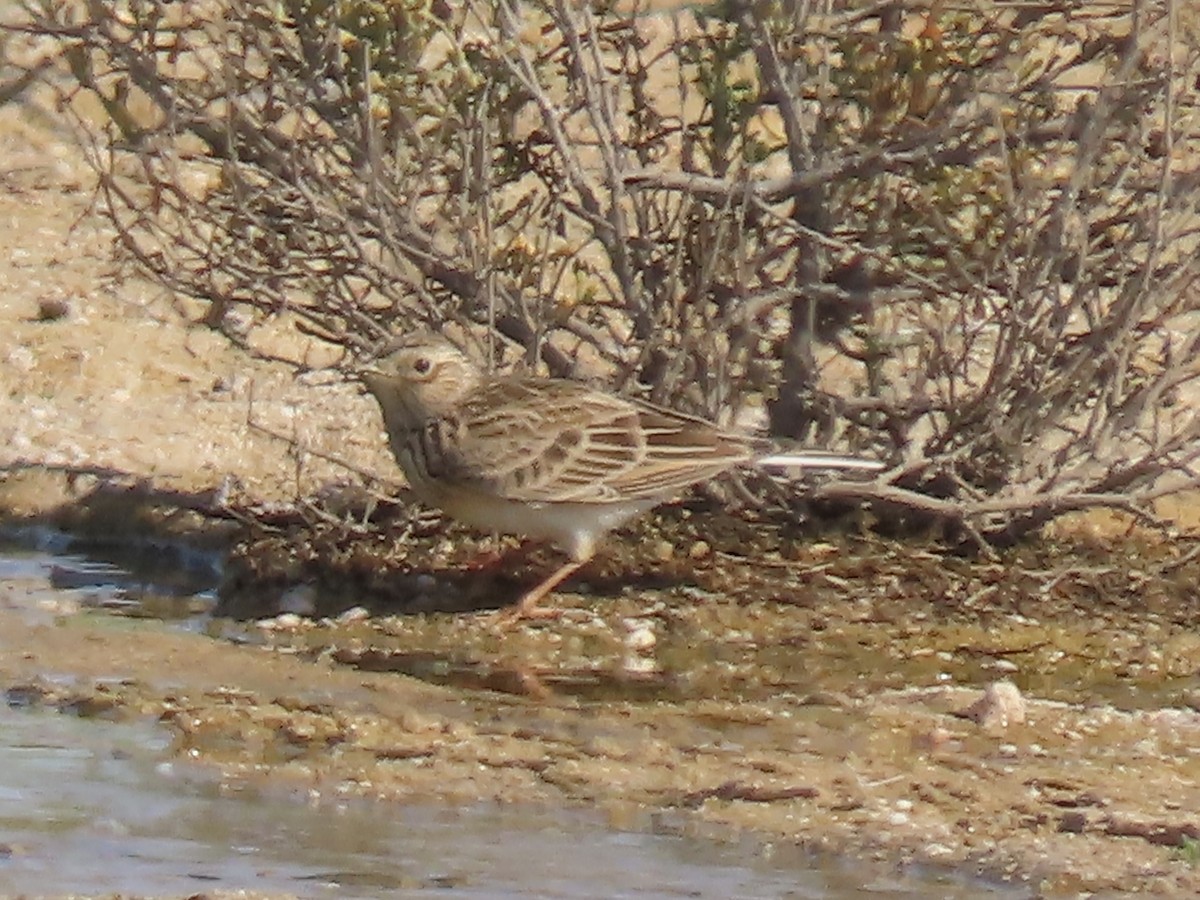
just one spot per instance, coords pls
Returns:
(96, 807)
(165, 581)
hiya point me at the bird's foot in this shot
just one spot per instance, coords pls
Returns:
(527, 607)
(511, 616)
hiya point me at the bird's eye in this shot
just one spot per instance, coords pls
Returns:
(422, 365)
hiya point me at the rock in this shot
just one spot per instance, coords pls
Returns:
(1074, 822)
(639, 636)
(1000, 706)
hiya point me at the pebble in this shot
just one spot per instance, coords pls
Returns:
(1073, 822)
(934, 739)
(639, 665)
(1000, 706)
(281, 622)
(22, 358)
(53, 308)
(640, 637)
(59, 606)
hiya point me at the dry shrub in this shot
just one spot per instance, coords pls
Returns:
(961, 237)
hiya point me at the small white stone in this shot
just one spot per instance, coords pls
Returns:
(21, 358)
(287, 621)
(641, 639)
(639, 665)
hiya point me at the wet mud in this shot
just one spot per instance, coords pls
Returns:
(1032, 718)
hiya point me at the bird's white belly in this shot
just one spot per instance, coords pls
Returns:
(575, 527)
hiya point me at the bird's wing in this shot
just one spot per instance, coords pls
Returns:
(560, 441)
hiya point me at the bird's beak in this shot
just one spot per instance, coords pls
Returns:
(367, 373)
(369, 376)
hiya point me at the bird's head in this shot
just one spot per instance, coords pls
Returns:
(419, 377)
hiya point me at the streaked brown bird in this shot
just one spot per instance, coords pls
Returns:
(547, 458)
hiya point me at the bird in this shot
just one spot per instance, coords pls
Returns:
(551, 459)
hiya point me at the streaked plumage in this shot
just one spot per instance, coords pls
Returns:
(547, 458)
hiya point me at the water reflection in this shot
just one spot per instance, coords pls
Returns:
(169, 582)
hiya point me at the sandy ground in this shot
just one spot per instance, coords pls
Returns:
(830, 706)
(124, 382)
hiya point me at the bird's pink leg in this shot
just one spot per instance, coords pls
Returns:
(527, 607)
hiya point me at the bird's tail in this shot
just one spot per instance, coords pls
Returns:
(818, 459)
